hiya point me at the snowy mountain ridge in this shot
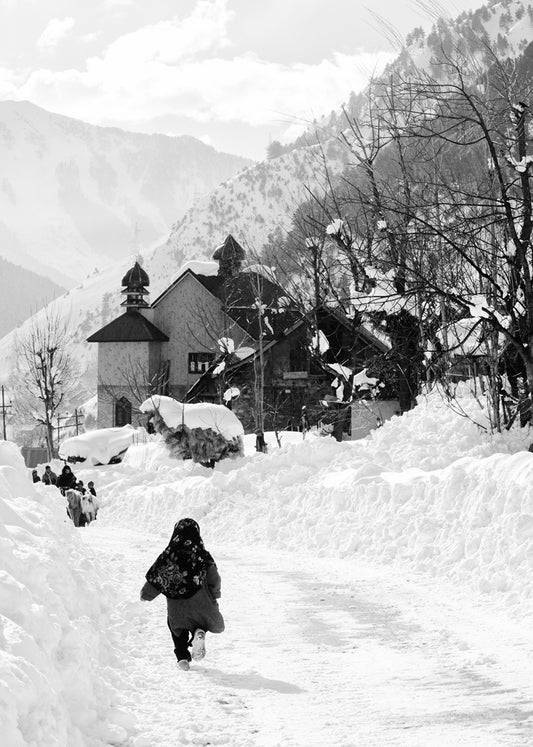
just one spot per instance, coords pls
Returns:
(72, 194)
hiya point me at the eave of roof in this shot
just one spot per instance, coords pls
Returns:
(130, 327)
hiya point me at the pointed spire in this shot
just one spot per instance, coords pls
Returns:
(229, 255)
(135, 283)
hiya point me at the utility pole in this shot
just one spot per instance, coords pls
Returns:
(4, 409)
(60, 418)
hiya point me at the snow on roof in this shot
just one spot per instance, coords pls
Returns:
(99, 446)
(343, 371)
(198, 415)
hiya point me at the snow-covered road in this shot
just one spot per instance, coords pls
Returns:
(319, 652)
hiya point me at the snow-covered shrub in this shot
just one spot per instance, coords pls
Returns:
(203, 432)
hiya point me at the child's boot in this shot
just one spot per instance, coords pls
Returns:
(198, 645)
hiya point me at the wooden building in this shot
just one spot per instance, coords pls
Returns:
(176, 345)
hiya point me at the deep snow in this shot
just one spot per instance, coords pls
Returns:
(375, 593)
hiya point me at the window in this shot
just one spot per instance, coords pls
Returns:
(298, 357)
(122, 412)
(200, 362)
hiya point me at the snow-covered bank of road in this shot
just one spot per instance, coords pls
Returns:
(320, 652)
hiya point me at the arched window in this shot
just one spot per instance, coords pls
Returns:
(122, 412)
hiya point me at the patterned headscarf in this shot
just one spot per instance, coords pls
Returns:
(180, 570)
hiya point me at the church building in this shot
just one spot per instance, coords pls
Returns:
(164, 347)
(199, 340)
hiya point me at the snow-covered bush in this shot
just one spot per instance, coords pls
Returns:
(203, 432)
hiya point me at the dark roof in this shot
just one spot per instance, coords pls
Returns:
(136, 276)
(130, 327)
(229, 250)
(238, 296)
(355, 328)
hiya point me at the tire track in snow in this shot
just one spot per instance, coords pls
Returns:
(318, 652)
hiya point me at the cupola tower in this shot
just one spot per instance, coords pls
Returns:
(134, 285)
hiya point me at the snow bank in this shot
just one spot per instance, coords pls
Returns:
(57, 639)
(201, 415)
(99, 446)
(430, 491)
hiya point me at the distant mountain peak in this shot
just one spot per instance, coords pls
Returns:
(71, 193)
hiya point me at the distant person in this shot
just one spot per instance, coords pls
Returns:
(92, 491)
(89, 507)
(49, 477)
(66, 480)
(34, 476)
(186, 574)
(74, 509)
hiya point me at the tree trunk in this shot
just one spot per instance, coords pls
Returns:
(50, 440)
(525, 405)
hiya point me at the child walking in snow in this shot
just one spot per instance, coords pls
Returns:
(186, 574)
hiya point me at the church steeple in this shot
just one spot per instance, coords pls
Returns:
(134, 285)
(230, 255)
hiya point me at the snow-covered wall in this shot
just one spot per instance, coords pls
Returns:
(58, 639)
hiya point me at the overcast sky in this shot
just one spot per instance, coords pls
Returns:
(234, 73)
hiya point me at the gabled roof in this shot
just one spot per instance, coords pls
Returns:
(130, 327)
(360, 329)
(238, 296)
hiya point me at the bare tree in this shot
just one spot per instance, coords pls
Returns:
(137, 382)
(44, 375)
(438, 202)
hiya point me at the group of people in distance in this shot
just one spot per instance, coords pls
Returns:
(82, 504)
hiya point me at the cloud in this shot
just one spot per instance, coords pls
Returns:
(56, 29)
(91, 37)
(169, 41)
(177, 67)
(9, 84)
(244, 88)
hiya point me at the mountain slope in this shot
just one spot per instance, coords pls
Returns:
(71, 194)
(251, 206)
(22, 293)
